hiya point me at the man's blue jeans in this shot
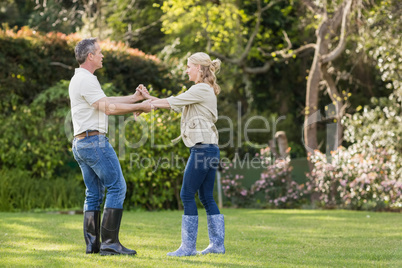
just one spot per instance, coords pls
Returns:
(101, 169)
(199, 175)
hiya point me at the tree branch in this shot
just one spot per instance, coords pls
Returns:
(282, 52)
(331, 87)
(259, 70)
(253, 35)
(130, 34)
(224, 58)
(289, 55)
(268, 64)
(55, 63)
(270, 4)
(242, 58)
(313, 7)
(342, 43)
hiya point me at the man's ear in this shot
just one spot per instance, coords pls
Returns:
(90, 56)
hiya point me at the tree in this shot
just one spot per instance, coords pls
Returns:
(237, 32)
(370, 168)
(15, 12)
(137, 23)
(326, 34)
(251, 48)
(56, 15)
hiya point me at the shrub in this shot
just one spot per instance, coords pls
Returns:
(356, 179)
(378, 127)
(234, 189)
(38, 170)
(275, 183)
(366, 175)
(32, 62)
(19, 191)
(33, 139)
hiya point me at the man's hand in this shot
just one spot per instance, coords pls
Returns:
(144, 92)
(137, 96)
(147, 108)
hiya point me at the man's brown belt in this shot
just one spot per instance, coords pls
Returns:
(84, 134)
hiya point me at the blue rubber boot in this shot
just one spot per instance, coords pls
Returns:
(216, 232)
(189, 230)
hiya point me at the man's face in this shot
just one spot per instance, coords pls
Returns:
(97, 57)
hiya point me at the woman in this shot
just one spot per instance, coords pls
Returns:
(199, 107)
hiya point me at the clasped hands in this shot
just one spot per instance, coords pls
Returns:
(143, 94)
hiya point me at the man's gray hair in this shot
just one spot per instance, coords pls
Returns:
(83, 48)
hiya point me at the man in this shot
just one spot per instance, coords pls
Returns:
(97, 159)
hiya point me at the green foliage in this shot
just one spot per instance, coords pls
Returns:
(34, 140)
(137, 23)
(38, 170)
(125, 70)
(224, 25)
(50, 15)
(378, 127)
(57, 16)
(15, 12)
(26, 58)
(367, 175)
(32, 62)
(222, 22)
(275, 184)
(21, 190)
(381, 41)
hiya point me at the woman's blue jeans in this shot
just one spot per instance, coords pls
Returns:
(199, 175)
(101, 169)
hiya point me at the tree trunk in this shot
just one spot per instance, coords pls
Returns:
(337, 102)
(313, 81)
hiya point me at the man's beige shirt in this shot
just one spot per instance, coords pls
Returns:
(200, 112)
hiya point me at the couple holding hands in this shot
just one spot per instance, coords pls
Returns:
(100, 166)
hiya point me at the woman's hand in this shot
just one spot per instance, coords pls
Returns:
(144, 92)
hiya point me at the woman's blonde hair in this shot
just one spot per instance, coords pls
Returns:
(208, 69)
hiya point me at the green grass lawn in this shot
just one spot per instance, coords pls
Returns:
(254, 238)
